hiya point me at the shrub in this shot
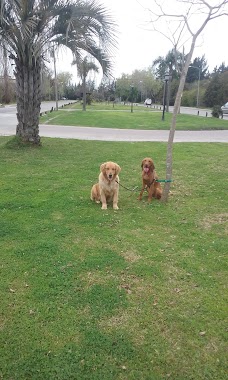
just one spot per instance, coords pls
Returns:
(216, 111)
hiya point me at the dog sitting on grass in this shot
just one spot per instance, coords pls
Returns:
(107, 189)
(149, 177)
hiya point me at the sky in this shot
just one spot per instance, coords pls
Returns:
(138, 46)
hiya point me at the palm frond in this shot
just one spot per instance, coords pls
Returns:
(28, 26)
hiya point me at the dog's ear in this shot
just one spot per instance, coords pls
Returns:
(102, 167)
(142, 163)
(118, 168)
(152, 166)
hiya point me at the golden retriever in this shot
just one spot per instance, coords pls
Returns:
(107, 189)
(149, 177)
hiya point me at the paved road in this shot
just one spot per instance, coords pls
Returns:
(8, 127)
(8, 116)
(189, 110)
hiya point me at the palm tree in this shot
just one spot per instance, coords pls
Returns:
(28, 26)
(171, 63)
(84, 66)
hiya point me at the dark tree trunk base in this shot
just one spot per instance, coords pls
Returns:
(28, 135)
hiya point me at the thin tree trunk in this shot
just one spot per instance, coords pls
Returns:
(28, 89)
(169, 154)
(84, 92)
(6, 92)
(168, 95)
(56, 82)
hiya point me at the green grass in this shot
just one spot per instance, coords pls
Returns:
(143, 118)
(137, 293)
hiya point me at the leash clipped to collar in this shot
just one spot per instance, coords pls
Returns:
(136, 187)
(163, 180)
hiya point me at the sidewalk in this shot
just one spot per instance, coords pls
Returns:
(107, 134)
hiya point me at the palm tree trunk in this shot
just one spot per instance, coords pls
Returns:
(28, 89)
(84, 92)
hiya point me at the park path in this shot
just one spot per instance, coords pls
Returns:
(108, 134)
(8, 128)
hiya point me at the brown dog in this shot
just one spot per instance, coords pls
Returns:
(107, 189)
(149, 183)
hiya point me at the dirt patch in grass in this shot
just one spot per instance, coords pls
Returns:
(116, 321)
(93, 278)
(130, 256)
(210, 221)
(57, 215)
(125, 321)
(123, 280)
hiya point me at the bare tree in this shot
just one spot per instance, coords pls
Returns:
(182, 29)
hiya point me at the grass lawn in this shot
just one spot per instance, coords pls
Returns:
(137, 293)
(105, 116)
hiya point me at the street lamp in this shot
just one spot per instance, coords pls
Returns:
(165, 94)
(141, 83)
(114, 92)
(198, 85)
(132, 90)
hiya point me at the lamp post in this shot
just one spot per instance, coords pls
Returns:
(198, 85)
(114, 92)
(165, 94)
(141, 83)
(132, 89)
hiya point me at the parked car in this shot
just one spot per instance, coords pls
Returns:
(148, 102)
(225, 108)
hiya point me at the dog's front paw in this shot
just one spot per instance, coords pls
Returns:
(115, 207)
(104, 207)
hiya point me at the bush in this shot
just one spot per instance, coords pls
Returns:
(216, 111)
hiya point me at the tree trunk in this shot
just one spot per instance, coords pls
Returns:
(169, 155)
(28, 89)
(84, 92)
(6, 91)
(168, 95)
